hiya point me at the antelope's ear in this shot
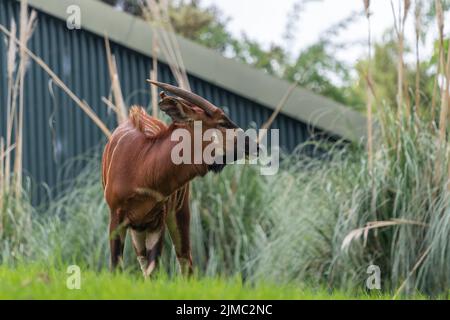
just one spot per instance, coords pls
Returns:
(179, 110)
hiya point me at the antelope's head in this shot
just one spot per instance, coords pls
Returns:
(220, 135)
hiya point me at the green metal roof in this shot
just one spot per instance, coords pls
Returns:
(211, 66)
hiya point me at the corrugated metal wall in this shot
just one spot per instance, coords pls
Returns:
(56, 130)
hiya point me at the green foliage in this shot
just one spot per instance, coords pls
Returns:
(203, 25)
(189, 19)
(272, 60)
(384, 74)
(317, 69)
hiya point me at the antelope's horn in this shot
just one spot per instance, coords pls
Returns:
(200, 102)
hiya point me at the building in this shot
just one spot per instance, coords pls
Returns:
(56, 130)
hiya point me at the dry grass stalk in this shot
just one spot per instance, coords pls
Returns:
(406, 7)
(400, 31)
(6, 150)
(82, 104)
(277, 110)
(446, 104)
(369, 91)
(445, 95)
(367, 7)
(156, 12)
(154, 94)
(121, 110)
(440, 25)
(418, 28)
(413, 270)
(154, 75)
(370, 100)
(357, 233)
(11, 68)
(433, 98)
(110, 105)
(26, 27)
(442, 67)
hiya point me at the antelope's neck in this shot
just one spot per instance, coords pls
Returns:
(169, 176)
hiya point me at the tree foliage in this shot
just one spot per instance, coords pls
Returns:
(316, 67)
(189, 19)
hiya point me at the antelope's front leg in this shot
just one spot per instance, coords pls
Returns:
(153, 245)
(178, 225)
(148, 246)
(138, 240)
(117, 234)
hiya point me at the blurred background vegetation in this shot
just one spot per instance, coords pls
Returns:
(316, 67)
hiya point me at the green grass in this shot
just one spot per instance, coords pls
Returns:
(41, 282)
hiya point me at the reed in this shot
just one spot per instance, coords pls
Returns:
(11, 67)
(369, 94)
(399, 24)
(442, 68)
(418, 30)
(119, 104)
(154, 76)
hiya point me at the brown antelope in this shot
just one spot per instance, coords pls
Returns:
(145, 191)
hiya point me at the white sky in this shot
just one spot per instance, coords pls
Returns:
(265, 20)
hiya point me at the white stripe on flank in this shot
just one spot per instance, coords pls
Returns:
(112, 159)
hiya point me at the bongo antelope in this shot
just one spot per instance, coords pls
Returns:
(145, 191)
